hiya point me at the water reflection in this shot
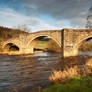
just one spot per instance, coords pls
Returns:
(41, 54)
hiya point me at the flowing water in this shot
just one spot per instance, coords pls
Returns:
(27, 73)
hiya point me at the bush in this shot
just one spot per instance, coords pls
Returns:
(62, 76)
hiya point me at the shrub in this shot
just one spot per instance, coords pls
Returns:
(62, 76)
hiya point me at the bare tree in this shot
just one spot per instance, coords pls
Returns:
(24, 28)
(89, 19)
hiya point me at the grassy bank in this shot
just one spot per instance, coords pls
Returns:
(77, 84)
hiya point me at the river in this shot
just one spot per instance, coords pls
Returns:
(28, 73)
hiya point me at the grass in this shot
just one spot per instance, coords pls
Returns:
(77, 84)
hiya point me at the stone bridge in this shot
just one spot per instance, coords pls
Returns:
(25, 42)
(68, 39)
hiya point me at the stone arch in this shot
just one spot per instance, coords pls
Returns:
(78, 44)
(57, 42)
(80, 41)
(35, 37)
(10, 46)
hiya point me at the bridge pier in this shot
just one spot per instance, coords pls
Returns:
(70, 52)
(68, 43)
(26, 51)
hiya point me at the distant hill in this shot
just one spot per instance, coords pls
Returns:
(6, 33)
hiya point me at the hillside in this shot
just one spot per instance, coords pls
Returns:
(6, 33)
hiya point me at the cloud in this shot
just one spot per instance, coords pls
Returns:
(11, 18)
(73, 11)
(61, 23)
(78, 22)
(70, 10)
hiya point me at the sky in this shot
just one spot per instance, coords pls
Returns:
(44, 14)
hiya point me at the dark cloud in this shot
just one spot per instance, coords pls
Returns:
(74, 11)
(63, 8)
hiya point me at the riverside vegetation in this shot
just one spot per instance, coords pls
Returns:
(74, 78)
(78, 84)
